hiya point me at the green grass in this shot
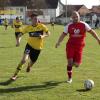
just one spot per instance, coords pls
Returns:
(47, 79)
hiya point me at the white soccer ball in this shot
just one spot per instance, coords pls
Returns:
(88, 84)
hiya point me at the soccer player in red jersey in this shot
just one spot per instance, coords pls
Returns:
(77, 32)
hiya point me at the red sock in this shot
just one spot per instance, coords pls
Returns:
(69, 71)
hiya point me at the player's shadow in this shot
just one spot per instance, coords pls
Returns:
(43, 86)
(6, 82)
(82, 90)
(6, 47)
(9, 81)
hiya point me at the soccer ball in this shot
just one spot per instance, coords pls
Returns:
(88, 84)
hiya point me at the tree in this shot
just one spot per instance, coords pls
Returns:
(4, 3)
(36, 4)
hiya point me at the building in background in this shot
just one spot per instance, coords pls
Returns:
(67, 11)
(12, 12)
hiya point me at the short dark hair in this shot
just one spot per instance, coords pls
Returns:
(17, 18)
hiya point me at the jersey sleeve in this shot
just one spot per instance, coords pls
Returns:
(88, 28)
(21, 23)
(25, 29)
(65, 29)
(45, 29)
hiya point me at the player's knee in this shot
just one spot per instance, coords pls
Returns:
(76, 64)
(70, 64)
(23, 61)
(18, 68)
(69, 68)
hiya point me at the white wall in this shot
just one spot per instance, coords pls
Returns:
(59, 10)
(49, 12)
(18, 11)
(44, 19)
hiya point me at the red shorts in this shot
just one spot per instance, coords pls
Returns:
(74, 52)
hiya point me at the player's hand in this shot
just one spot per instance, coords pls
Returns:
(99, 41)
(57, 44)
(41, 36)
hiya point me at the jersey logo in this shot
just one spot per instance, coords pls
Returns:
(17, 26)
(35, 34)
(27, 51)
(76, 31)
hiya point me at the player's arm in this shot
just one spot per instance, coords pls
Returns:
(60, 39)
(62, 36)
(46, 32)
(25, 29)
(94, 34)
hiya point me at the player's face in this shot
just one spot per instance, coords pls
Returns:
(34, 20)
(75, 17)
(17, 20)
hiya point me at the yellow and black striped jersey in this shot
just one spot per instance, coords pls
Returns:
(17, 26)
(34, 31)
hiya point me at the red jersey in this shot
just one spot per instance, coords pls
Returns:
(77, 32)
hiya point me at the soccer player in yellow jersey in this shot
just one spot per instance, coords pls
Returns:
(5, 23)
(37, 32)
(17, 24)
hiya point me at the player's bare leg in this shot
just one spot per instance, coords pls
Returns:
(18, 39)
(30, 64)
(5, 27)
(20, 65)
(69, 70)
(76, 64)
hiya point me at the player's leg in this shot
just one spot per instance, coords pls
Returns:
(30, 64)
(69, 70)
(20, 65)
(24, 58)
(70, 56)
(18, 38)
(17, 42)
(78, 57)
(34, 54)
(5, 27)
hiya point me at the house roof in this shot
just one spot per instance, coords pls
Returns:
(17, 2)
(70, 8)
(74, 7)
(96, 9)
(34, 4)
(52, 3)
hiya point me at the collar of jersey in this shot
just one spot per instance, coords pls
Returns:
(35, 25)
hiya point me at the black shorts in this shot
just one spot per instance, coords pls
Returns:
(17, 34)
(33, 53)
(6, 25)
(52, 24)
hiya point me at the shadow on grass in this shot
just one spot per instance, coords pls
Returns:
(43, 86)
(9, 81)
(6, 82)
(6, 47)
(82, 90)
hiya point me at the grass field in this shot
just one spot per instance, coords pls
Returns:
(47, 80)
